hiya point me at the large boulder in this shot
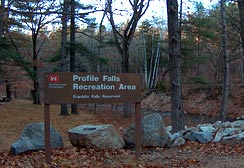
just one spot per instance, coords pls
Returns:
(32, 138)
(154, 133)
(97, 136)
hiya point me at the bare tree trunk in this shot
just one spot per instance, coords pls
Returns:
(123, 40)
(242, 51)
(151, 63)
(145, 60)
(36, 92)
(36, 89)
(150, 72)
(74, 109)
(125, 57)
(64, 108)
(2, 13)
(175, 66)
(225, 87)
(156, 65)
(241, 14)
(181, 12)
(8, 91)
(242, 64)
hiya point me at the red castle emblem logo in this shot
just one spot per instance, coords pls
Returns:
(53, 78)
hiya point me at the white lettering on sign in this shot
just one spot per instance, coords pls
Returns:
(56, 85)
(81, 96)
(110, 96)
(127, 87)
(95, 96)
(112, 78)
(87, 78)
(93, 87)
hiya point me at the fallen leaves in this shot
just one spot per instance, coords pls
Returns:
(192, 154)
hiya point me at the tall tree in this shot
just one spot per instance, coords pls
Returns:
(225, 87)
(123, 38)
(2, 14)
(33, 16)
(2, 11)
(241, 14)
(175, 66)
(63, 68)
(72, 47)
(8, 55)
(198, 44)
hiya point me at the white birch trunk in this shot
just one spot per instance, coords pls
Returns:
(145, 60)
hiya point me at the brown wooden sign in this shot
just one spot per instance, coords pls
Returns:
(72, 87)
(67, 87)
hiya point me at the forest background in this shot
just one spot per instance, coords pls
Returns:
(210, 43)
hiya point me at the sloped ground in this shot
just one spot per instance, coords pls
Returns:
(199, 104)
(16, 114)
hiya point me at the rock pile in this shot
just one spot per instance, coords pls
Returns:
(225, 132)
(155, 134)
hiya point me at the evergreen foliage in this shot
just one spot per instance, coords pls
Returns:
(201, 80)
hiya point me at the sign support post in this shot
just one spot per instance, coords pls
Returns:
(47, 133)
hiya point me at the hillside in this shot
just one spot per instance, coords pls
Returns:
(200, 103)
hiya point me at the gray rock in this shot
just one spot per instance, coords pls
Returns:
(238, 124)
(178, 142)
(226, 124)
(169, 129)
(32, 138)
(206, 128)
(154, 133)
(97, 136)
(234, 139)
(176, 135)
(224, 132)
(189, 129)
(173, 138)
(217, 124)
(202, 137)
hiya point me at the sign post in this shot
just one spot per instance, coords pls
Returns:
(47, 133)
(77, 87)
